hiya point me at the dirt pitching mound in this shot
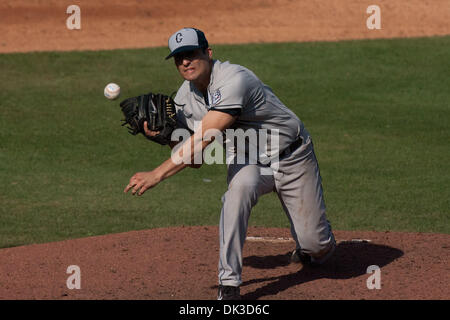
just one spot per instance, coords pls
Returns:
(181, 263)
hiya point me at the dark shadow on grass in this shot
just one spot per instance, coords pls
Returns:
(350, 260)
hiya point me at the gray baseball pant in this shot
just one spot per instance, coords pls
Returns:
(298, 184)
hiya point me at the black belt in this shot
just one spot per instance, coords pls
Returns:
(292, 147)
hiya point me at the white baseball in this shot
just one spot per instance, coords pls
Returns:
(112, 91)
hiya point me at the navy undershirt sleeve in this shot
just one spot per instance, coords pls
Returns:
(231, 111)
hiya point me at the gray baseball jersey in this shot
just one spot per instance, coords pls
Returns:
(297, 180)
(235, 87)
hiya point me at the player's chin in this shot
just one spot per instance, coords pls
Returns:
(190, 76)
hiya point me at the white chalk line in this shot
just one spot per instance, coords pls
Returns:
(282, 240)
(269, 239)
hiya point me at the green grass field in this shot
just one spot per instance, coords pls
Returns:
(378, 111)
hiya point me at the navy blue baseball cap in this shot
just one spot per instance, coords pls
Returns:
(186, 39)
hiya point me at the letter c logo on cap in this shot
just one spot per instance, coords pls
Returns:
(179, 37)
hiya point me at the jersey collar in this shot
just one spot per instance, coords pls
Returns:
(198, 95)
(215, 69)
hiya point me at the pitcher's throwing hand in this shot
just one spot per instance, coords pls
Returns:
(142, 181)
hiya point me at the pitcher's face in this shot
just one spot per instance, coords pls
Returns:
(194, 65)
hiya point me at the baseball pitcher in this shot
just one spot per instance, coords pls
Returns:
(221, 97)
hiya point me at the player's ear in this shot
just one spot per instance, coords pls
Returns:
(209, 52)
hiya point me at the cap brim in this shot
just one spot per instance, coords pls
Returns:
(182, 49)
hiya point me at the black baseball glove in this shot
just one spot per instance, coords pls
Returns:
(157, 109)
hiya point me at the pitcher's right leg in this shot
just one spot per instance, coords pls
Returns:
(245, 185)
